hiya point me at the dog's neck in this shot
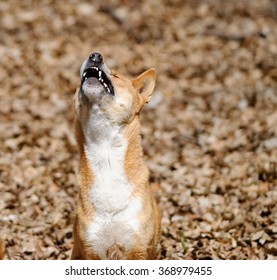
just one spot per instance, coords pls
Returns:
(113, 155)
(105, 145)
(114, 151)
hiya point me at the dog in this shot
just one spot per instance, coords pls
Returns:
(117, 215)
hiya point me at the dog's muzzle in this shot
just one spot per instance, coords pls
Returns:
(94, 68)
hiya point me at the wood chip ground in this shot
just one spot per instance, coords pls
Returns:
(209, 133)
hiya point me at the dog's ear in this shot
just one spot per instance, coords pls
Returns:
(145, 83)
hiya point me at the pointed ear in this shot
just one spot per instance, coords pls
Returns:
(145, 83)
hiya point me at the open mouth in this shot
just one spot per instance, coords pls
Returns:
(95, 72)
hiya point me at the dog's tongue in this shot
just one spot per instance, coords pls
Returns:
(92, 81)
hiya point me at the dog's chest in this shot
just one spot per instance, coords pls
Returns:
(116, 210)
(120, 228)
(111, 189)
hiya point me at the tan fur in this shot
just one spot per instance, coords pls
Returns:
(138, 92)
(1, 250)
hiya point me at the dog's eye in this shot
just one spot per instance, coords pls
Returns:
(115, 75)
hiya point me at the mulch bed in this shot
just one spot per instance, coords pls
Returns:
(209, 133)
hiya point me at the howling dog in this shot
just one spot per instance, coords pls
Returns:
(117, 216)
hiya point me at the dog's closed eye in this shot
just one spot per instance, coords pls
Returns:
(115, 75)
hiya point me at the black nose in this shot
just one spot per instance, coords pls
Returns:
(96, 57)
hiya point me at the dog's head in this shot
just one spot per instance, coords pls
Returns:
(109, 94)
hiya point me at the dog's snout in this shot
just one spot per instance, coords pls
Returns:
(96, 57)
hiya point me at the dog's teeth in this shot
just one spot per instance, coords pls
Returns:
(99, 74)
(84, 74)
(108, 90)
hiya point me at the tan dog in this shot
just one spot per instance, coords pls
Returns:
(117, 216)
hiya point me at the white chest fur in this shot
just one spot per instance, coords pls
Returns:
(116, 219)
